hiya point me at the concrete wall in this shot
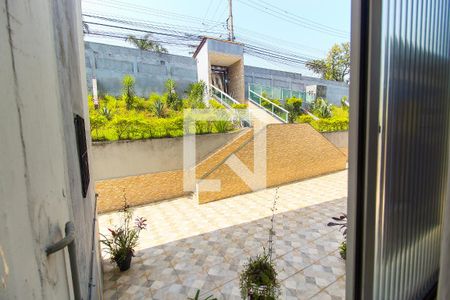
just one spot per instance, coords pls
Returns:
(294, 81)
(110, 63)
(131, 158)
(338, 138)
(148, 188)
(43, 84)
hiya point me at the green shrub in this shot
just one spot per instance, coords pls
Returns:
(294, 106)
(268, 105)
(240, 106)
(145, 119)
(215, 104)
(330, 124)
(98, 121)
(128, 93)
(305, 119)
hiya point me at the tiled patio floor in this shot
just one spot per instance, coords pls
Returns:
(189, 246)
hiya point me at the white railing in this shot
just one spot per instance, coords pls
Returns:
(238, 115)
(223, 97)
(272, 108)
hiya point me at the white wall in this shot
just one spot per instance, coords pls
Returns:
(203, 66)
(42, 84)
(128, 158)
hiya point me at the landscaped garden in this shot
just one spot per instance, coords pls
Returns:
(324, 117)
(130, 117)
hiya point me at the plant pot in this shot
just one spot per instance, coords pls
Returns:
(263, 293)
(125, 263)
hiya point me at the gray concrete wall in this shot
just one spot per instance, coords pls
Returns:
(338, 138)
(129, 158)
(110, 63)
(43, 84)
(294, 81)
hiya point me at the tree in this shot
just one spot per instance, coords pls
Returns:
(146, 43)
(335, 66)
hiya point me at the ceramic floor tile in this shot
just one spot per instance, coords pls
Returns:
(189, 247)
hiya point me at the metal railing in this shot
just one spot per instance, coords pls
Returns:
(238, 115)
(272, 108)
(223, 97)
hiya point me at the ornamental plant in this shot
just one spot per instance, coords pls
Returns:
(123, 239)
(341, 221)
(258, 280)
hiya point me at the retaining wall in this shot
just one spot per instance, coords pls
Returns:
(130, 158)
(339, 139)
(294, 152)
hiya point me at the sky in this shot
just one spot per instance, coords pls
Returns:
(255, 22)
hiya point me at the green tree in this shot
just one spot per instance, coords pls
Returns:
(146, 43)
(335, 66)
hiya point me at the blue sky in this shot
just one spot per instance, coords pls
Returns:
(264, 28)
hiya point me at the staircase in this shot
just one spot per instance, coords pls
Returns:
(260, 117)
(265, 110)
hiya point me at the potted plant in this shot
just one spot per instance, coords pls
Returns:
(258, 280)
(123, 239)
(341, 221)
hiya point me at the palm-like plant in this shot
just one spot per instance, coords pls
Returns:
(146, 43)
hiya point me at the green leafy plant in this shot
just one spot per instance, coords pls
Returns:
(197, 297)
(98, 121)
(123, 239)
(128, 90)
(222, 126)
(159, 108)
(258, 280)
(215, 104)
(341, 222)
(322, 108)
(173, 101)
(344, 103)
(294, 106)
(196, 93)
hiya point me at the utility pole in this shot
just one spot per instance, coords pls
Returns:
(230, 21)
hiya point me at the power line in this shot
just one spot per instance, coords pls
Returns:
(182, 38)
(303, 19)
(291, 20)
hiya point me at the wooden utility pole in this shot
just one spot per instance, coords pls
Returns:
(230, 21)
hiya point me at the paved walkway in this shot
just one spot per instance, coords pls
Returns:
(189, 246)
